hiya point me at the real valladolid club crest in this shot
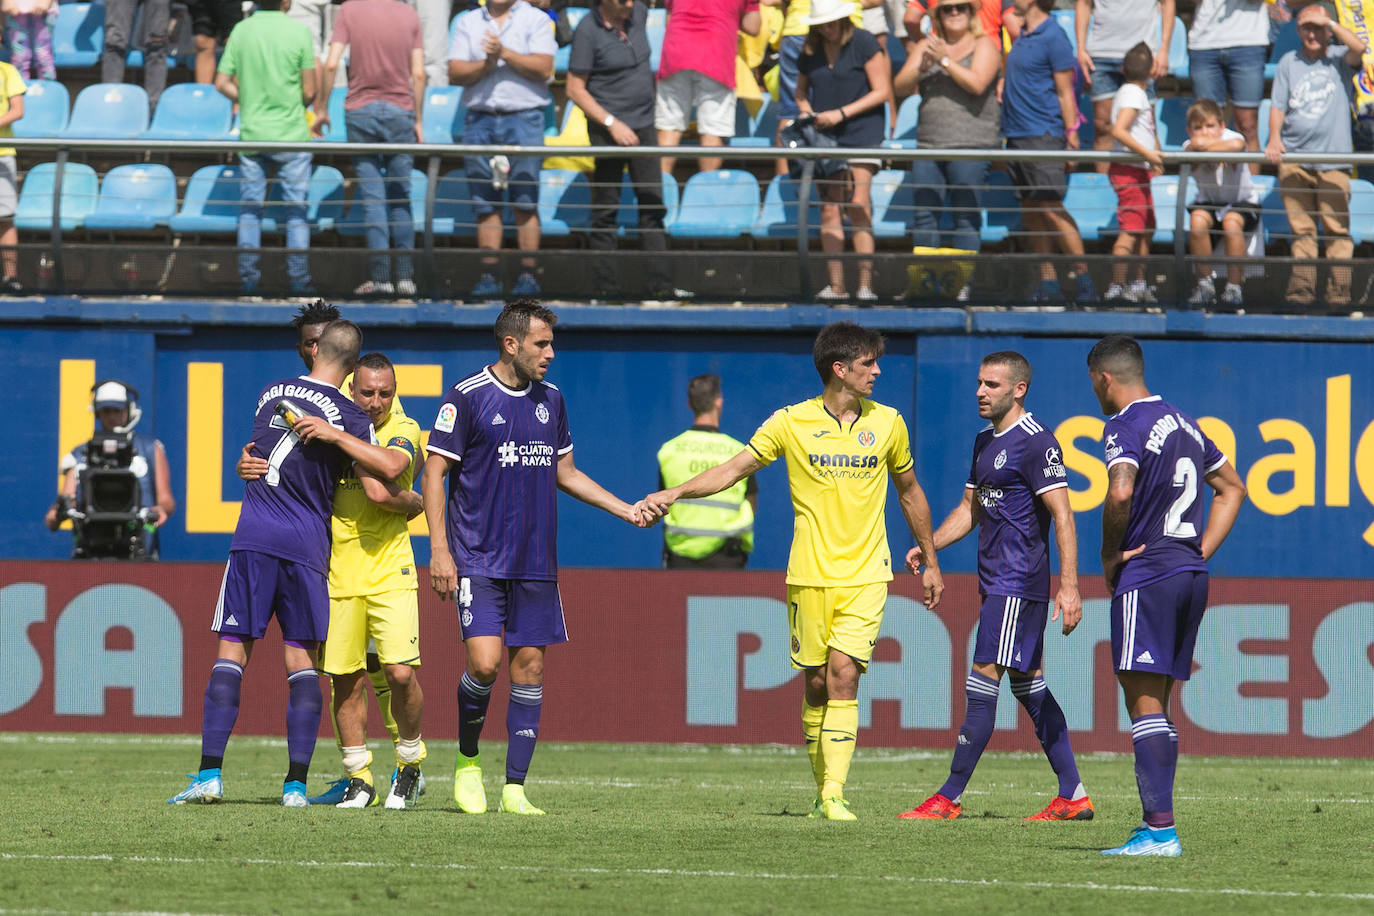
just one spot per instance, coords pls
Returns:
(1000, 460)
(541, 413)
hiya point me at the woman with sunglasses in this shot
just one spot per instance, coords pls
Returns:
(844, 79)
(954, 68)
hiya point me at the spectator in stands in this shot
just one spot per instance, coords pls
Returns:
(1133, 131)
(794, 32)
(119, 27)
(28, 32)
(610, 79)
(211, 23)
(1228, 46)
(697, 71)
(1039, 113)
(1227, 201)
(503, 54)
(268, 68)
(843, 79)
(12, 91)
(318, 18)
(386, 91)
(955, 69)
(1311, 114)
(992, 15)
(1116, 27)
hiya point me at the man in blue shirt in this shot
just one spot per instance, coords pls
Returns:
(501, 440)
(1039, 112)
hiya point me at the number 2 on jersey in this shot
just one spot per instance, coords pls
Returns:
(1185, 478)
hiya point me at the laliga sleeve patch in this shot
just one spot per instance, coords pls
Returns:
(447, 415)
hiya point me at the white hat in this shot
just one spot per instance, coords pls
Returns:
(112, 394)
(823, 11)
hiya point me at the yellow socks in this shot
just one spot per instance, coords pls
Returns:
(812, 716)
(838, 733)
(382, 689)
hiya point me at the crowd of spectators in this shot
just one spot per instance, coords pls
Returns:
(988, 74)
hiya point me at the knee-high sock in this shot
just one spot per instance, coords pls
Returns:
(522, 729)
(979, 717)
(1051, 729)
(839, 733)
(473, 697)
(812, 716)
(304, 709)
(1156, 759)
(381, 688)
(220, 711)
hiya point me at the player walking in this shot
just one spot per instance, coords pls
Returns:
(1155, 548)
(1016, 484)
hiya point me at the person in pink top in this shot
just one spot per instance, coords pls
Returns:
(697, 69)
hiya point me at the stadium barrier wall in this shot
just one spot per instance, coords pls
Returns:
(1284, 667)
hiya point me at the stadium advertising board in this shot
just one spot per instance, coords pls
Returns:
(1283, 666)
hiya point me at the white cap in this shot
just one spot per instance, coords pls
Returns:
(823, 11)
(112, 394)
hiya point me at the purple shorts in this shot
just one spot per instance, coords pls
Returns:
(258, 586)
(1011, 632)
(527, 612)
(1154, 627)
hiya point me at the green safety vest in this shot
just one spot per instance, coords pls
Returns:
(697, 528)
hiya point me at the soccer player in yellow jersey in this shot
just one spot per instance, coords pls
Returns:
(840, 449)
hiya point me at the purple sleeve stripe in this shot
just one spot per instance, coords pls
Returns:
(436, 449)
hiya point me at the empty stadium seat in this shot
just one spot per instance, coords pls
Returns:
(908, 114)
(78, 37)
(1164, 195)
(324, 201)
(564, 202)
(45, 110)
(894, 199)
(80, 189)
(1171, 121)
(1091, 202)
(191, 111)
(352, 222)
(442, 120)
(453, 212)
(1065, 20)
(1178, 49)
(627, 215)
(1361, 211)
(778, 217)
(657, 27)
(1273, 215)
(338, 119)
(757, 129)
(135, 197)
(211, 202)
(109, 111)
(1262, 129)
(1286, 40)
(1001, 209)
(719, 204)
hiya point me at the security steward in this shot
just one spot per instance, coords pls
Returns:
(716, 532)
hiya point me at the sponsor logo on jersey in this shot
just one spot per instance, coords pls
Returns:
(842, 461)
(498, 420)
(1054, 463)
(1052, 456)
(824, 432)
(526, 454)
(1112, 450)
(1000, 460)
(1145, 658)
(447, 415)
(541, 413)
(988, 496)
(866, 438)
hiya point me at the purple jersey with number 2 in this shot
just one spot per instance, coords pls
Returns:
(286, 512)
(1172, 457)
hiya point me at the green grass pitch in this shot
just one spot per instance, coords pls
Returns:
(678, 829)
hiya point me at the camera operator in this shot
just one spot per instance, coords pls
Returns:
(117, 487)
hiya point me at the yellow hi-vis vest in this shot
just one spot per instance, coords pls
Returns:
(697, 528)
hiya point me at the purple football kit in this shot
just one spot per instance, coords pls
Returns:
(279, 557)
(1160, 595)
(502, 512)
(1011, 470)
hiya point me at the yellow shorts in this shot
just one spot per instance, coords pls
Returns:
(845, 619)
(391, 619)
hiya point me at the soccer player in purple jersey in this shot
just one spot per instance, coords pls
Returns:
(501, 440)
(1155, 548)
(279, 557)
(1016, 485)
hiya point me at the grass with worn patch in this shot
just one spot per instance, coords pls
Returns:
(654, 828)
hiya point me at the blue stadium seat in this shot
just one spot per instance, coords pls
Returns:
(116, 111)
(564, 202)
(1164, 194)
(1361, 211)
(720, 204)
(78, 37)
(442, 120)
(1171, 119)
(211, 202)
(627, 216)
(757, 129)
(191, 111)
(1178, 49)
(352, 222)
(561, 56)
(1001, 209)
(1286, 40)
(138, 197)
(894, 198)
(908, 113)
(1087, 131)
(45, 110)
(1262, 131)
(1273, 215)
(453, 212)
(1092, 203)
(338, 119)
(1065, 20)
(778, 218)
(324, 201)
(80, 189)
(657, 27)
